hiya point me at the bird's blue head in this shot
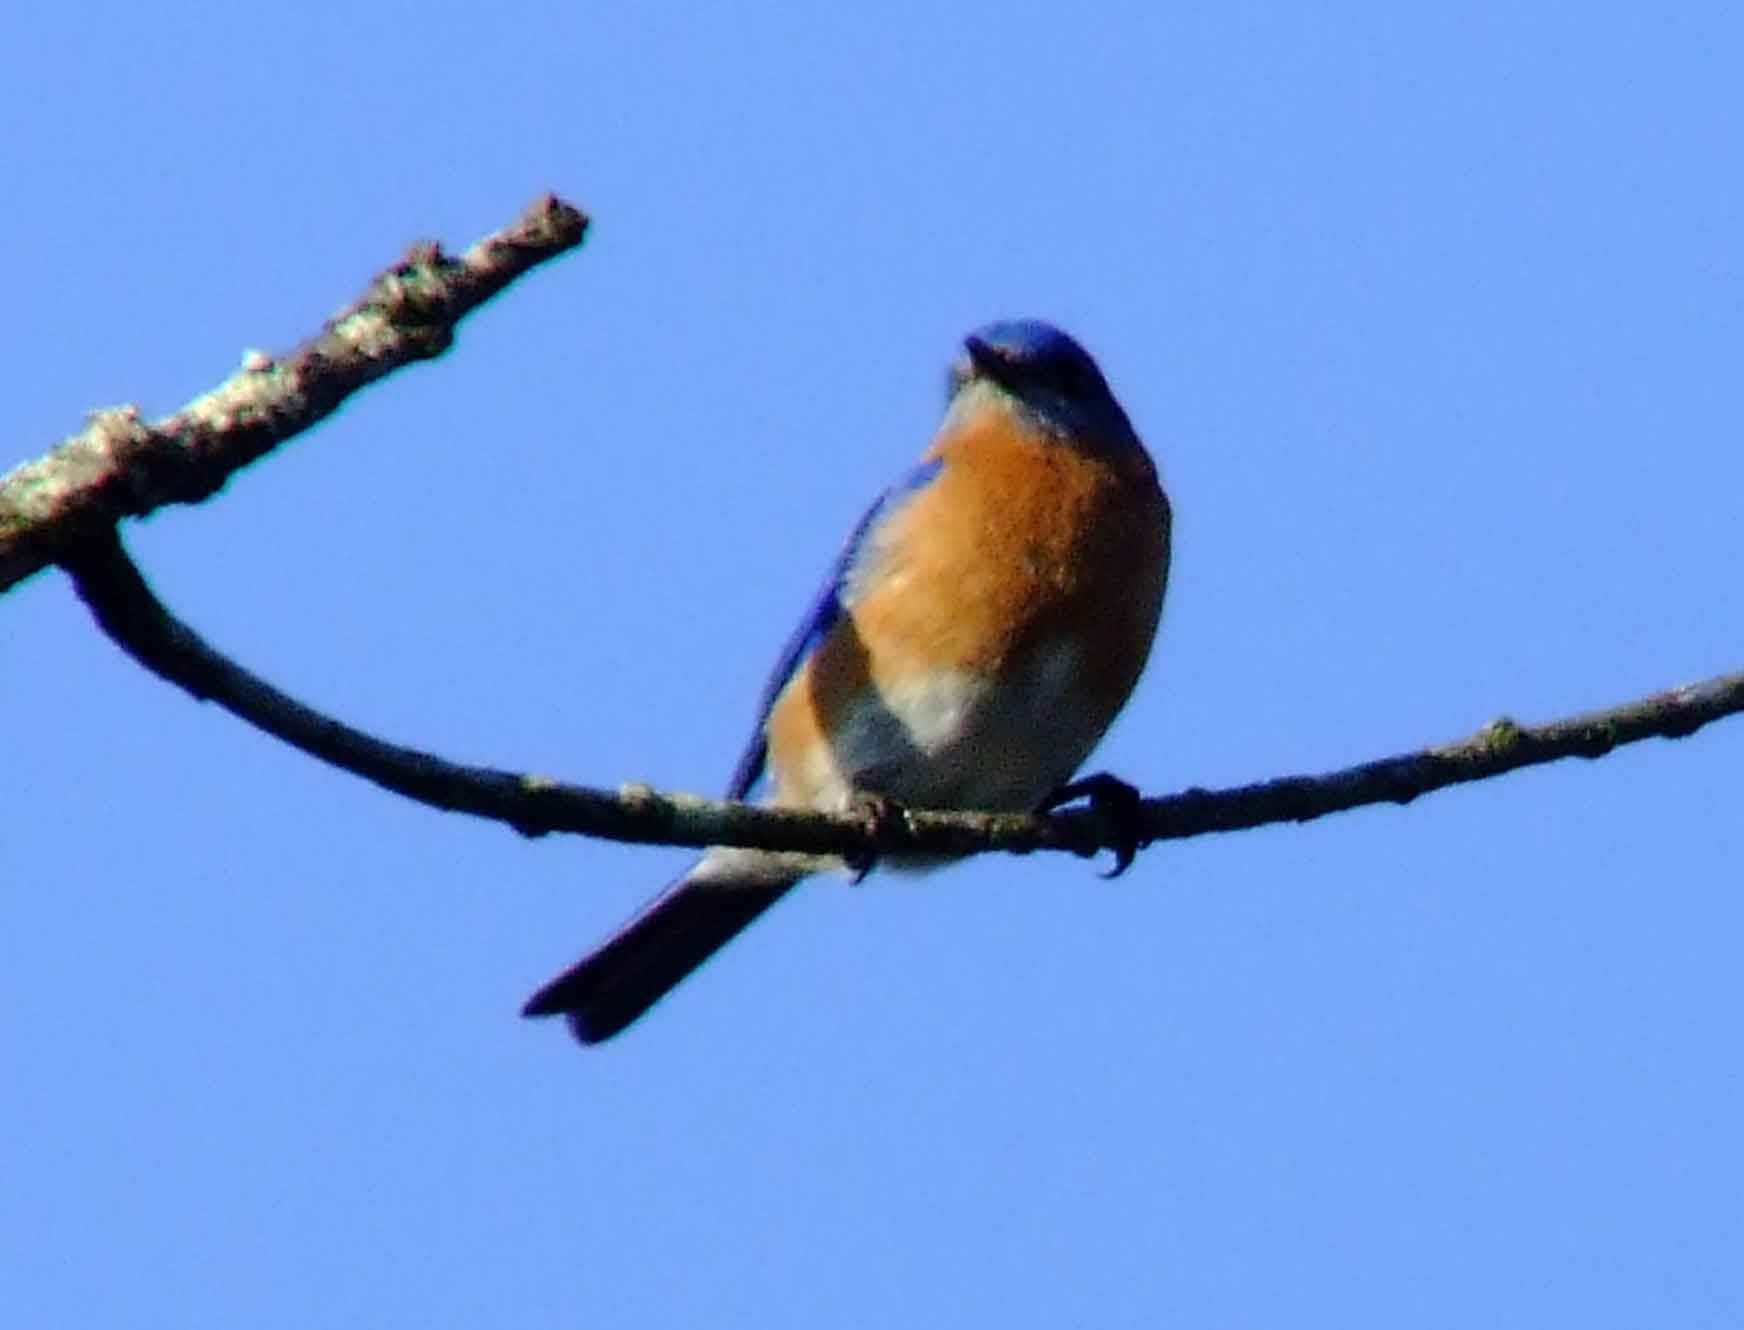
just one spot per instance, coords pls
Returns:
(1049, 375)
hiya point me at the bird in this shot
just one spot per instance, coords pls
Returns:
(981, 627)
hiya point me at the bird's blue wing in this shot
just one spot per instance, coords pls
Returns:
(826, 608)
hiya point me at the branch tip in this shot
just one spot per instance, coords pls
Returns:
(120, 467)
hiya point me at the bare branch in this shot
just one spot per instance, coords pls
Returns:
(122, 467)
(63, 508)
(125, 608)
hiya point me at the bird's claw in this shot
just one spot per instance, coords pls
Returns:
(878, 813)
(1120, 807)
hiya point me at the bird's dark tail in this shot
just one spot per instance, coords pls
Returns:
(649, 956)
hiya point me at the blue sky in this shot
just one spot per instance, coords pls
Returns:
(1432, 319)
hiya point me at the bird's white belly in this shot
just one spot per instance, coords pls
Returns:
(959, 740)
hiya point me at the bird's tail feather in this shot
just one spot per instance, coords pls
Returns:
(695, 917)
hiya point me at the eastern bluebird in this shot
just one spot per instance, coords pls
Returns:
(985, 621)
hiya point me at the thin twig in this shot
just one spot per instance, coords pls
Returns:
(120, 466)
(127, 610)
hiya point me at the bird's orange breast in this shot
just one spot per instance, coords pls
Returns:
(1020, 552)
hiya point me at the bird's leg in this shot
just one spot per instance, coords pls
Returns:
(1117, 803)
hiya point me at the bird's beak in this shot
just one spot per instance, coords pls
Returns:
(988, 361)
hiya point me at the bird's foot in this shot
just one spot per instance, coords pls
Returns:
(1120, 807)
(878, 813)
